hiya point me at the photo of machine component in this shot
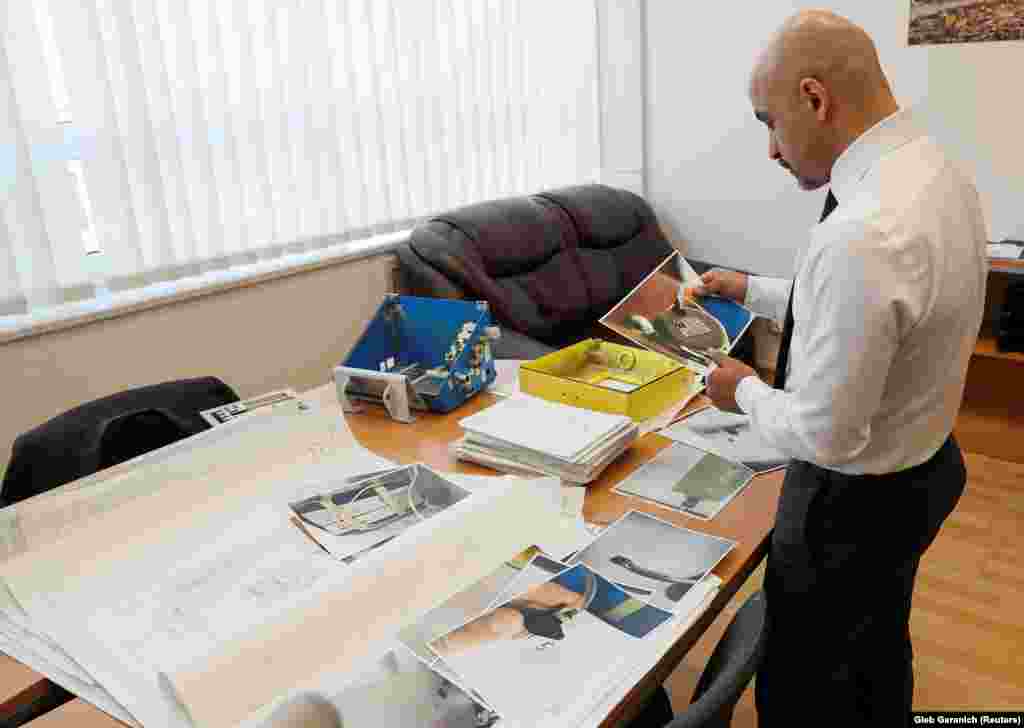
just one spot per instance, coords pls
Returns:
(372, 508)
(653, 559)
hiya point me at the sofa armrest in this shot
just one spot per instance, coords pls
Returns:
(419, 278)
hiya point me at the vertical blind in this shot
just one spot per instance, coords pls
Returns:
(176, 136)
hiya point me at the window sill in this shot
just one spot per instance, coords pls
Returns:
(112, 305)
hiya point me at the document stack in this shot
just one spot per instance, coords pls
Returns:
(525, 435)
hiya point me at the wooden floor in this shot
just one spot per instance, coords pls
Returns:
(968, 617)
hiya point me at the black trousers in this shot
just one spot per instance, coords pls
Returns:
(839, 582)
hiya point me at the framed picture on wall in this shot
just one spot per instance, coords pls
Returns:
(965, 21)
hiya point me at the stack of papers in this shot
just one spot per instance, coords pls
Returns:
(542, 642)
(528, 435)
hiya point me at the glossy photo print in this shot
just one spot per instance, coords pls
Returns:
(369, 510)
(728, 435)
(653, 559)
(965, 21)
(534, 655)
(687, 479)
(658, 316)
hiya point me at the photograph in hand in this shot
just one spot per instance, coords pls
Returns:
(659, 316)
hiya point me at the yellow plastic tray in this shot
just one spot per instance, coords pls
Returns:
(607, 377)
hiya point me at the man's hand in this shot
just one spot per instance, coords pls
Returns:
(723, 380)
(724, 283)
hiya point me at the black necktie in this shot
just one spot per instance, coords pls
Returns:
(782, 362)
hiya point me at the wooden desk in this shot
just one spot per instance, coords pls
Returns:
(19, 686)
(747, 519)
(991, 414)
(76, 714)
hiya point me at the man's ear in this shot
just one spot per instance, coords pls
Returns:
(816, 96)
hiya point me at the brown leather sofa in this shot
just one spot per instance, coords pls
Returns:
(550, 264)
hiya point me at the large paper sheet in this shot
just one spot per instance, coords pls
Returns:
(381, 595)
(224, 480)
(46, 517)
(49, 517)
(170, 605)
(85, 690)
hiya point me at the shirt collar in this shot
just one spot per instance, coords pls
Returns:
(856, 161)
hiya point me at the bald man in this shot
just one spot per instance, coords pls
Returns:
(879, 324)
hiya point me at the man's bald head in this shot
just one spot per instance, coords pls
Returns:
(820, 44)
(818, 85)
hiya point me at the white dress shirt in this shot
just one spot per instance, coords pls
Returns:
(887, 304)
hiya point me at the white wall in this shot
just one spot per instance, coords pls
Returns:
(708, 173)
(285, 332)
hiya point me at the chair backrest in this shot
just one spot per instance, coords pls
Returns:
(546, 263)
(729, 670)
(108, 431)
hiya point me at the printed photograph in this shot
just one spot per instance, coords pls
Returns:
(728, 435)
(653, 559)
(371, 509)
(539, 569)
(515, 576)
(658, 316)
(400, 692)
(533, 655)
(687, 479)
(965, 21)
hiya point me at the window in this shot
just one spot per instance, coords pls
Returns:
(178, 136)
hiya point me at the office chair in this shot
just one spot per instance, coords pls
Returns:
(729, 669)
(98, 435)
(725, 677)
(108, 431)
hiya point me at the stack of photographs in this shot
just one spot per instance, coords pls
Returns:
(534, 638)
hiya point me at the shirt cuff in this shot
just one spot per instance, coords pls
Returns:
(750, 299)
(749, 391)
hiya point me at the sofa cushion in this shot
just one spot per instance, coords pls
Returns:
(519, 254)
(619, 239)
(548, 264)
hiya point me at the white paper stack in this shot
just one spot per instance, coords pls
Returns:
(528, 435)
